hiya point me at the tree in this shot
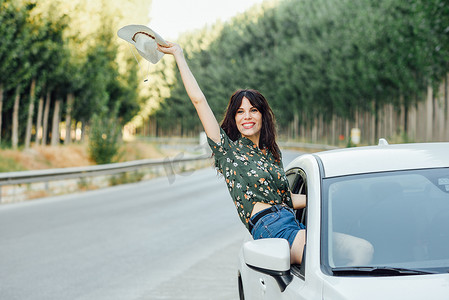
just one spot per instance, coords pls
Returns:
(316, 59)
(41, 55)
(14, 50)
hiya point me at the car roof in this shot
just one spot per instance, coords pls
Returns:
(384, 157)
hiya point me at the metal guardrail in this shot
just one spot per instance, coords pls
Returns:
(24, 177)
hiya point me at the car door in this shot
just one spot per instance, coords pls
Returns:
(259, 284)
(304, 178)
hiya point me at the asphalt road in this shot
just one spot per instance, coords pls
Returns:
(158, 239)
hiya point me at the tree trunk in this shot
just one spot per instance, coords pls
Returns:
(1, 109)
(446, 96)
(429, 107)
(45, 122)
(295, 124)
(30, 114)
(55, 124)
(39, 121)
(405, 120)
(446, 105)
(15, 120)
(68, 119)
(376, 122)
(83, 131)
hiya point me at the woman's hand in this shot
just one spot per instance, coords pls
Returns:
(172, 48)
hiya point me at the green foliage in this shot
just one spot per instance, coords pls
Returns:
(310, 58)
(104, 139)
(318, 58)
(50, 41)
(17, 38)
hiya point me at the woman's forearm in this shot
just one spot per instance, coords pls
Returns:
(194, 92)
(299, 201)
(191, 85)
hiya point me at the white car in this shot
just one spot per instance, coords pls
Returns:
(396, 197)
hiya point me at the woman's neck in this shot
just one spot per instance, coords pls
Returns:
(255, 139)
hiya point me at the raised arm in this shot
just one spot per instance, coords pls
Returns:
(207, 118)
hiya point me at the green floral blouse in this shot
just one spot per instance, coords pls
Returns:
(251, 176)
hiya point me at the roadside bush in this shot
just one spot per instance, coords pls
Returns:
(104, 140)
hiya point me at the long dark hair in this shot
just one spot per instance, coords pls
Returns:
(268, 131)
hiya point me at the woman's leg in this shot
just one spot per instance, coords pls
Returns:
(354, 250)
(297, 249)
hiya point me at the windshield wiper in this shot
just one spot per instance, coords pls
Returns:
(377, 271)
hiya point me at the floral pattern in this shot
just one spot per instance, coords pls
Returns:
(251, 176)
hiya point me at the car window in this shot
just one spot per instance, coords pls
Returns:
(298, 185)
(292, 177)
(403, 215)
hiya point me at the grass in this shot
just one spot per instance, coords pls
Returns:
(8, 164)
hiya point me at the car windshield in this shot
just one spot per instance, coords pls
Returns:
(403, 216)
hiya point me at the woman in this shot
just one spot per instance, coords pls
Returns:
(247, 155)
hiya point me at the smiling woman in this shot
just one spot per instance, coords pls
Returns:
(246, 153)
(249, 115)
(249, 120)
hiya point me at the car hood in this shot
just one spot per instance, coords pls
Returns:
(435, 287)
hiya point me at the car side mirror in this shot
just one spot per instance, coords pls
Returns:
(271, 257)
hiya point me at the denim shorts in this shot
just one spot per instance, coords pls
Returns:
(281, 223)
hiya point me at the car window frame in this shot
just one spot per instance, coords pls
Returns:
(299, 185)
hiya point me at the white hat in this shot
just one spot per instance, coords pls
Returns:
(144, 39)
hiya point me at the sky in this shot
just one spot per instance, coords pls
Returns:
(169, 18)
